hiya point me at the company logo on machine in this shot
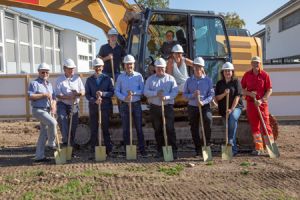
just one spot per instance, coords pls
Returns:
(28, 1)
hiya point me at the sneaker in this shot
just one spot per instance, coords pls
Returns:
(42, 160)
(158, 154)
(257, 152)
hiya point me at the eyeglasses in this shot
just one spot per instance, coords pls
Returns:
(44, 72)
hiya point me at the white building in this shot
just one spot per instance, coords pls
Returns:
(281, 49)
(26, 41)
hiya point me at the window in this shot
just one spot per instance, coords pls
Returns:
(37, 55)
(10, 52)
(57, 58)
(24, 31)
(90, 48)
(81, 57)
(37, 34)
(81, 39)
(290, 20)
(24, 49)
(1, 59)
(48, 56)
(91, 62)
(48, 39)
(9, 27)
(57, 40)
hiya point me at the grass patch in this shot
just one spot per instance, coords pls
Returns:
(209, 163)
(4, 188)
(171, 171)
(107, 174)
(245, 164)
(136, 169)
(28, 195)
(33, 173)
(245, 172)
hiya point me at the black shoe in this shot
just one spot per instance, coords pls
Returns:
(42, 160)
(175, 156)
(144, 154)
(197, 154)
(158, 154)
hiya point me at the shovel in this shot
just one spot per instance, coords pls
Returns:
(272, 146)
(130, 149)
(206, 151)
(112, 69)
(69, 148)
(167, 150)
(227, 148)
(59, 154)
(100, 151)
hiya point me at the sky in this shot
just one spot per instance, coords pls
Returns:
(250, 11)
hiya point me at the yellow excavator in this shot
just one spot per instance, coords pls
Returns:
(142, 32)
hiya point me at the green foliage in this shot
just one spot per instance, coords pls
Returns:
(245, 164)
(4, 188)
(245, 172)
(28, 196)
(136, 169)
(73, 189)
(154, 3)
(233, 20)
(171, 171)
(209, 163)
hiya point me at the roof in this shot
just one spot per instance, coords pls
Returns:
(259, 33)
(279, 10)
(82, 34)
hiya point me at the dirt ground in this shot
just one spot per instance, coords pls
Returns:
(245, 177)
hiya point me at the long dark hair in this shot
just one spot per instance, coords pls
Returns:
(232, 77)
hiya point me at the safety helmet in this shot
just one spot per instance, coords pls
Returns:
(43, 66)
(177, 49)
(256, 59)
(128, 59)
(98, 62)
(69, 63)
(113, 32)
(160, 62)
(228, 66)
(199, 61)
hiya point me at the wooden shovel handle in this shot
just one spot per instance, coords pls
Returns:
(130, 122)
(263, 122)
(164, 122)
(226, 120)
(99, 124)
(201, 121)
(70, 124)
(112, 69)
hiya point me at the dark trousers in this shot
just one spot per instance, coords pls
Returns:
(136, 118)
(63, 118)
(157, 123)
(94, 122)
(194, 118)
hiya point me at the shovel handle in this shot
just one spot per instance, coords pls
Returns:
(226, 120)
(99, 124)
(112, 69)
(70, 124)
(164, 122)
(201, 121)
(56, 135)
(263, 122)
(130, 122)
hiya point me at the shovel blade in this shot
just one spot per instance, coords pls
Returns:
(100, 153)
(227, 152)
(60, 156)
(206, 154)
(273, 150)
(168, 153)
(131, 152)
(69, 151)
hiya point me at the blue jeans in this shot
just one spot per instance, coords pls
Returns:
(232, 127)
(48, 128)
(63, 117)
(137, 119)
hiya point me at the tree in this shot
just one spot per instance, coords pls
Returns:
(154, 3)
(233, 20)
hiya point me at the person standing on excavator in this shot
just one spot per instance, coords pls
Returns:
(111, 53)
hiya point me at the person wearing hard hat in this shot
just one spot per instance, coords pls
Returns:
(198, 90)
(168, 44)
(43, 102)
(177, 66)
(111, 51)
(99, 90)
(257, 87)
(69, 88)
(162, 87)
(230, 85)
(129, 89)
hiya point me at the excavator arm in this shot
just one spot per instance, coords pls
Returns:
(102, 13)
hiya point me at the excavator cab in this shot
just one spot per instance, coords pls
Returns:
(200, 34)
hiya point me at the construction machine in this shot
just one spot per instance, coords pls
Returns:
(142, 32)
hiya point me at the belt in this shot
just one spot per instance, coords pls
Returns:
(42, 108)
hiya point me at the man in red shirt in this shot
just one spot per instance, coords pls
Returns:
(257, 88)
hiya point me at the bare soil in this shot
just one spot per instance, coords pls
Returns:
(245, 177)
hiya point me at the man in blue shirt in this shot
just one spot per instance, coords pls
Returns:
(99, 90)
(195, 86)
(43, 103)
(162, 87)
(129, 89)
(111, 51)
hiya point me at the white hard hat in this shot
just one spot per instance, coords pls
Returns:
(199, 61)
(228, 66)
(69, 63)
(43, 66)
(113, 32)
(256, 59)
(160, 62)
(128, 59)
(98, 62)
(177, 49)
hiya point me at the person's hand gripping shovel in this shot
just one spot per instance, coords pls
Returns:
(130, 149)
(227, 148)
(206, 150)
(271, 145)
(100, 151)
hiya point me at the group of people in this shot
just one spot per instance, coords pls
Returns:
(161, 89)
